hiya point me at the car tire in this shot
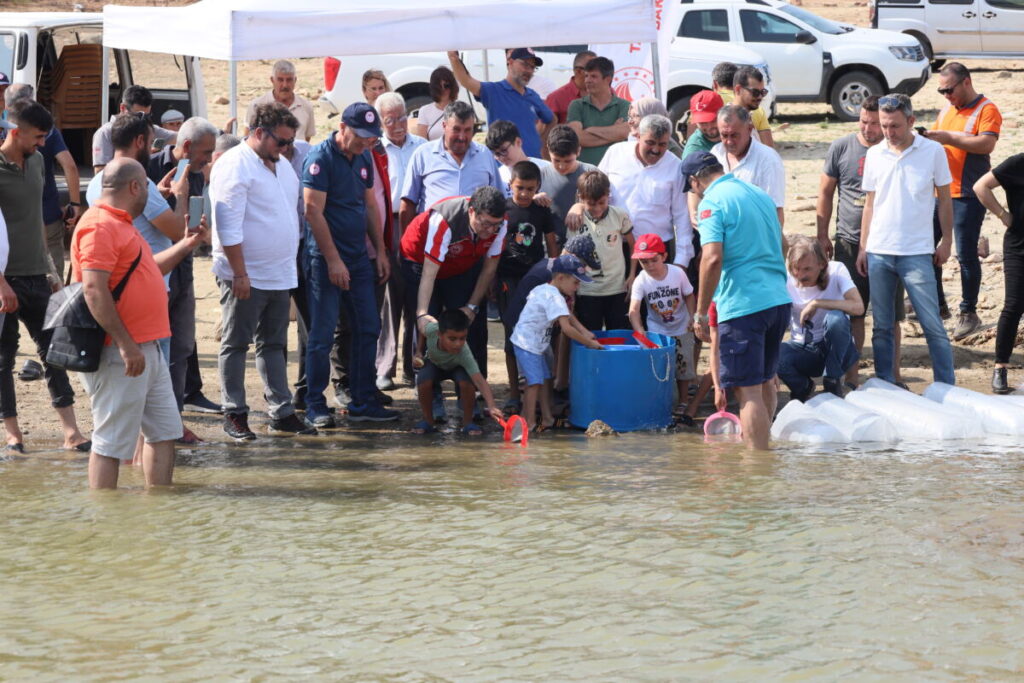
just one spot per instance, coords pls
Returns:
(849, 91)
(677, 113)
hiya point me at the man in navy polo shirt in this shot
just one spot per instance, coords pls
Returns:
(510, 99)
(340, 211)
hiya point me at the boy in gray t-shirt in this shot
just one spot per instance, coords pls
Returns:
(558, 181)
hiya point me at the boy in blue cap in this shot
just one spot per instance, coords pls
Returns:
(545, 308)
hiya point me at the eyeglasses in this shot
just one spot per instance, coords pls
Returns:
(279, 141)
(502, 151)
(145, 116)
(390, 121)
(946, 91)
(490, 225)
(756, 92)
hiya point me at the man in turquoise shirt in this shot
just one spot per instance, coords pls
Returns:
(743, 269)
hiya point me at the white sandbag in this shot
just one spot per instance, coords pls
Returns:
(796, 423)
(996, 415)
(913, 416)
(855, 423)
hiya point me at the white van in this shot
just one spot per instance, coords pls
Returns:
(62, 55)
(956, 29)
(409, 74)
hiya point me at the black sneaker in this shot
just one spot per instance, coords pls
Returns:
(833, 386)
(291, 425)
(236, 425)
(197, 403)
(1000, 385)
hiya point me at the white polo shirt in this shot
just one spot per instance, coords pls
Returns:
(255, 207)
(904, 186)
(652, 196)
(398, 162)
(761, 167)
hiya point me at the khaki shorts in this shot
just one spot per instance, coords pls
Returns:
(122, 406)
(684, 357)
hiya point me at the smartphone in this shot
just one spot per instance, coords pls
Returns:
(195, 212)
(180, 171)
(159, 144)
(922, 131)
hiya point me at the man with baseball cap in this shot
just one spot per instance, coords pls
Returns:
(341, 211)
(743, 270)
(510, 99)
(704, 108)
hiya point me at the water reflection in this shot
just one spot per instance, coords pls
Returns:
(637, 557)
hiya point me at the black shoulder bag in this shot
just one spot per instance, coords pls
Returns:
(77, 341)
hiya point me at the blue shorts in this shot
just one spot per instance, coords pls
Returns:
(431, 373)
(748, 346)
(534, 366)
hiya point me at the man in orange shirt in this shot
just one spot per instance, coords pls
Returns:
(131, 391)
(968, 128)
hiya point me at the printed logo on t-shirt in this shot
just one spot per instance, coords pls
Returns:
(314, 169)
(664, 301)
(362, 173)
(706, 213)
(525, 234)
(612, 238)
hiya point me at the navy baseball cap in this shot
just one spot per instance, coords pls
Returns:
(526, 53)
(583, 248)
(694, 163)
(4, 80)
(567, 263)
(363, 119)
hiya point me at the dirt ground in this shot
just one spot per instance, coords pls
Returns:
(802, 133)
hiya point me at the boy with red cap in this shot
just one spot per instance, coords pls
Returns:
(668, 294)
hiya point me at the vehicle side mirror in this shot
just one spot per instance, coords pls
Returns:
(805, 38)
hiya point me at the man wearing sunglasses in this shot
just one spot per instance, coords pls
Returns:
(748, 90)
(253, 190)
(968, 127)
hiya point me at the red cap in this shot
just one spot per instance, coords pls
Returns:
(647, 246)
(704, 106)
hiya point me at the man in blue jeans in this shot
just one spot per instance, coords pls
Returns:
(742, 269)
(902, 178)
(340, 211)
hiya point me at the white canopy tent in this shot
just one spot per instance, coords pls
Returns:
(235, 30)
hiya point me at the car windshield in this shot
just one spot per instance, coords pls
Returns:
(823, 25)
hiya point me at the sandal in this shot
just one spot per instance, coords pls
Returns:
(472, 429)
(423, 427)
(30, 371)
(16, 447)
(512, 407)
(83, 447)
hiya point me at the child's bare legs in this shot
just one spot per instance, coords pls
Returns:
(561, 361)
(530, 396)
(512, 368)
(547, 419)
(467, 399)
(425, 396)
(703, 388)
(681, 388)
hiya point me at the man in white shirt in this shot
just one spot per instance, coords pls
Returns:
(399, 144)
(648, 184)
(902, 178)
(255, 241)
(747, 158)
(282, 78)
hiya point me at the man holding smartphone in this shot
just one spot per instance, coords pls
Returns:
(191, 157)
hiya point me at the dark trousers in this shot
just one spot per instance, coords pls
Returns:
(968, 214)
(1013, 301)
(603, 312)
(33, 292)
(326, 303)
(452, 292)
(181, 310)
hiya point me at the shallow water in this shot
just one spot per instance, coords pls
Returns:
(638, 557)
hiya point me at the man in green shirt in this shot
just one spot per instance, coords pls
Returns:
(28, 267)
(704, 108)
(599, 117)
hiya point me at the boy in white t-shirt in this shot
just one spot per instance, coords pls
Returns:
(824, 297)
(668, 294)
(531, 338)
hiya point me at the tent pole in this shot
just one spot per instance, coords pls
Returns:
(105, 99)
(487, 68)
(656, 64)
(233, 96)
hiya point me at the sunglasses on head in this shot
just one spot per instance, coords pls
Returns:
(889, 101)
(756, 92)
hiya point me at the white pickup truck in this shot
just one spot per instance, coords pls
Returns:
(61, 54)
(689, 71)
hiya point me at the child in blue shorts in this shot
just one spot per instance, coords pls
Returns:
(531, 338)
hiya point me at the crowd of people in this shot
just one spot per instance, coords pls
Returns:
(395, 243)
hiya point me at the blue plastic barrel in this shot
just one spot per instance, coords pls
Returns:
(626, 385)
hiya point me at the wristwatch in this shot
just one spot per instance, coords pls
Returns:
(701, 319)
(473, 307)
